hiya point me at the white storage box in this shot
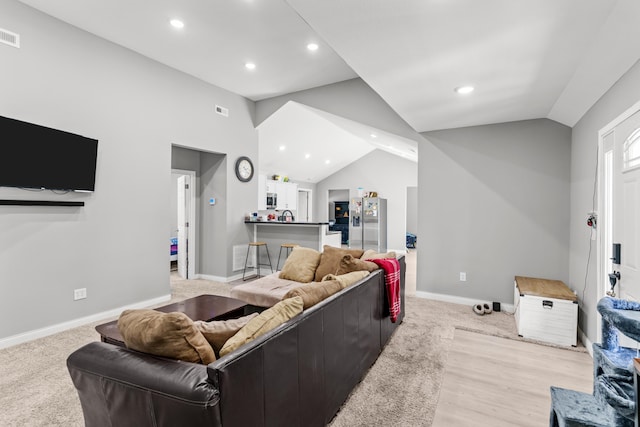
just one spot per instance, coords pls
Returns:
(546, 310)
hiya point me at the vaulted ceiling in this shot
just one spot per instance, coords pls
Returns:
(526, 59)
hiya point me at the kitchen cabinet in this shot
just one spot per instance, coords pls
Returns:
(287, 195)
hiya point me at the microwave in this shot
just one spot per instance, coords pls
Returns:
(272, 200)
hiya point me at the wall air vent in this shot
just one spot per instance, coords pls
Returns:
(222, 111)
(10, 38)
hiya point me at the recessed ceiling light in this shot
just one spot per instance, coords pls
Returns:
(282, 148)
(176, 23)
(464, 89)
(306, 156)
(373, 135)
(326, 162)
(312, 46)
(250, 66)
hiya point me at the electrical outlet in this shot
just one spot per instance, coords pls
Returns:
(79, 294)
(463, 276)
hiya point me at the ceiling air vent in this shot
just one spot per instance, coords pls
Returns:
(10, 38)
(222, 111)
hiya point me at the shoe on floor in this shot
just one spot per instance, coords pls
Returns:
(487, 308)
(478, 309)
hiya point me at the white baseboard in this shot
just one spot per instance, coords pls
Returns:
(509, 308)
(221, 279)
(60, 327)
(214, 278)
(586, 342)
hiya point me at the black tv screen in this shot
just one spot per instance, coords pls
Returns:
(33, 156)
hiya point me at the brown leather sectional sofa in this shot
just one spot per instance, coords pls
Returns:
(298, 374)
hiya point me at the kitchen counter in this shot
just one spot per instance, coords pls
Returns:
(307, 234)
(310, 224)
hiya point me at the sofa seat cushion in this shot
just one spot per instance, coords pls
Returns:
(348, 264)
(330, 260)
(266, 291)
(165, 334)
(217, 332)
(315, 292)
(301, 265)
(269, 319)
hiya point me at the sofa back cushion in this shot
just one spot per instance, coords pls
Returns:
(217, 332)
(330, 260)
(164, 334)
(347, 279)
(301, 265)
(348, 264)
(269, 319)
(315, 292)
(371, 254)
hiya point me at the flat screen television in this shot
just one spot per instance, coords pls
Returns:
(34, 156)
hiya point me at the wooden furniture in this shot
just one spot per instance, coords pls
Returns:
(546, 310)
(256, 245)
(203, 307)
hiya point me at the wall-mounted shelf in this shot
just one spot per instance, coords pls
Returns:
(38, 203)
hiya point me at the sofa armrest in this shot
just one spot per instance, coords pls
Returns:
(118, 386)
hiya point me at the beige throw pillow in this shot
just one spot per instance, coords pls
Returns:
(164, 334)
(330, 260)
(348, 264)
(217, 332)
(269, 319)
(371, 254)
(301, 265)
(347, 279)
(315, 292)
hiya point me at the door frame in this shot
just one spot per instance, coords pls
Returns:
(603, 253)
(309, 202)
(191, 218)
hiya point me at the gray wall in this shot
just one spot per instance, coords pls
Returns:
(116, 245)
(584, 143)
(413, 214)
(387, 174)
(494, 203)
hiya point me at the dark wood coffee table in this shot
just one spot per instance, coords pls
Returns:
(203, 307)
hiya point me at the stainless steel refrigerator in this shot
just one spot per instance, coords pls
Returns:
(368, 225)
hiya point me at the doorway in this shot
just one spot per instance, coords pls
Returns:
(183, 224)
(618, 210)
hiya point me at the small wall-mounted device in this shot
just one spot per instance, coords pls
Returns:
(615, 254)
(592, 220)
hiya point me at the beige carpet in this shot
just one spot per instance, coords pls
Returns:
(402, 387)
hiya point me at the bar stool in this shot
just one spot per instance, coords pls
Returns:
(287, 247)
(257, 245)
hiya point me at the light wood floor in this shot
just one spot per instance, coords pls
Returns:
(491, 381)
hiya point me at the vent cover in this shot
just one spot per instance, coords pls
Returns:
(10, 38)
(222, 111)
(240, 254)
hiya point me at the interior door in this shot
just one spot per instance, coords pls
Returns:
(626, 205)
(183, 225)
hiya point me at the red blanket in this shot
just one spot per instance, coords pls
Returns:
(391, 268)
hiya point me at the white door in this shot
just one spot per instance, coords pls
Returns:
(626, 204)
(183, 226)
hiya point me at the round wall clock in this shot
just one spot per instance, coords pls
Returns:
(244, 169)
